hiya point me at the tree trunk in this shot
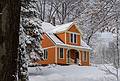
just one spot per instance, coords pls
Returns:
(9, 31)
(44, 5)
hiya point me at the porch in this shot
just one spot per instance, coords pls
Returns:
(73, 56)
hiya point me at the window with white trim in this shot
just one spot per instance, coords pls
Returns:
(61, 53)
(73, 38)
(45, 54)
(84, 56)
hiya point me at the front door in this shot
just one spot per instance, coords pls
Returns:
(72, 57)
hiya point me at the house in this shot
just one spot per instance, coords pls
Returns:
(63, 44)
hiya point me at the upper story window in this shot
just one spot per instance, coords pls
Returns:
(73, 38)
(61, 53)
(45, 54)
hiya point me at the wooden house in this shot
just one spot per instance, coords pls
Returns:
(63, 44)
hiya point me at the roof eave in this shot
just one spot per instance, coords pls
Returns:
(74, 47)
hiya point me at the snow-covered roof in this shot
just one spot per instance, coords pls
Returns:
(60, 43)
(74, 46)
(63, 27)
(47, 27)
(54, 38)
(84, 44)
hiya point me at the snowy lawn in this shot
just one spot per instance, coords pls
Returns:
(68, 73)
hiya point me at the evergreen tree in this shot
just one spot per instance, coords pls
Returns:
(30, 37)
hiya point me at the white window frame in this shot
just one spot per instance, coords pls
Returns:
(45, 54)
(72, 38)
(62, 53)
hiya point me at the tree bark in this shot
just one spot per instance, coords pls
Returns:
(10, 34)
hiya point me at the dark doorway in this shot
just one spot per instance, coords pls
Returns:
(73, 56)
(76, 57)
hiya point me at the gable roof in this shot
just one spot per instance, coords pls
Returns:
(65, 27)
(49, 28)
(61, 28)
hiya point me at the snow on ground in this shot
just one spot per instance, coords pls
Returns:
(67, 73)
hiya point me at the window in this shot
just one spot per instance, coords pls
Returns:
(61, 52)
(73, 37)
(45, 55)
(84, 55)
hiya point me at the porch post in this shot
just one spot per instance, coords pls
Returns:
(67, 56)
(80, 57)
(55, 55)
(89, 57)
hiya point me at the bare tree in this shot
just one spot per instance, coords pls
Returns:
(62, 10)
(97, 17)
(41, 7)
(114, 49)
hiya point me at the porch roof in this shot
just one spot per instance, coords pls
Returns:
(58, 42)
(73, 46)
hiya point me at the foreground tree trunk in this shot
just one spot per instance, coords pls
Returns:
(9, 38)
